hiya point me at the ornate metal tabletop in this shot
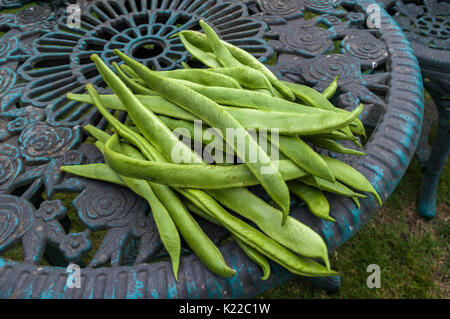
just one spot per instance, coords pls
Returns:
(426, 24)
(43, 57)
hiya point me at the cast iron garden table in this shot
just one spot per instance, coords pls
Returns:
(54, 219)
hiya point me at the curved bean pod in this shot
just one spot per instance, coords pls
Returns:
(292, 123)
(333, 146)
(331, 89)
(199, 176)
(336, 187)
(285, 123)
(206, 58)
(351, 177)
(316, 99)
(220, 50)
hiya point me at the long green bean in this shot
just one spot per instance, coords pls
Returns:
(351, 177)
(331, 89)
(203, 77)
(221, 52)
(197, 176)
(294, 235)
(258, 258)
(282, 122)
(202, 246)
(206, 58)
(166, 227)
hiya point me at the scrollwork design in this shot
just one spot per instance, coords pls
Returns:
(306, 40)
(34, 14)
(281, 8)
(147, 37)
(362, 45)
(10, 166)
(104, 206)
(75, 245)
(7, 48)
(427, 24)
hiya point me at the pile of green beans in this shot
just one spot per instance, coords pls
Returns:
(234, 91)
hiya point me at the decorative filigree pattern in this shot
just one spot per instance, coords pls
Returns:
(143, 33)
(34, 14)
(305, 40)
(427, 24)
(365, 47)
(16, 218)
